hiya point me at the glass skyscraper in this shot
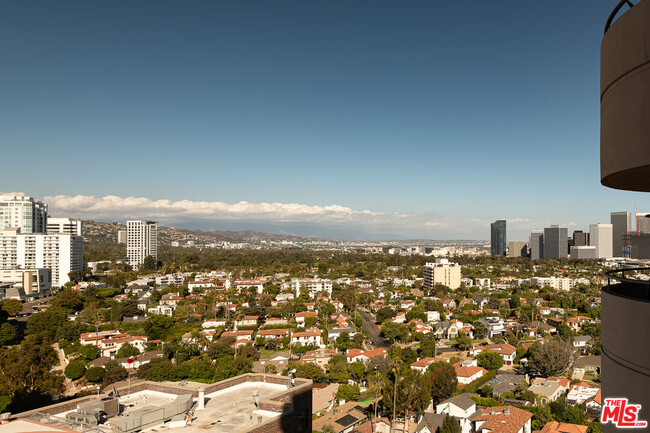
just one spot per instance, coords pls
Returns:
(498, 238)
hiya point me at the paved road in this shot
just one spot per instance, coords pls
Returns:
(373, 330)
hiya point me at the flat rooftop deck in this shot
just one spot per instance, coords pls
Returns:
(228, 410)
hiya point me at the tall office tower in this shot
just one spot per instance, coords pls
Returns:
(556, 244)
(28, 214)
(517, 249)
(141, 241)
(60, 253)
(441, 272)
(498, 238)
(580, 238)
(121, 236)
(642, 222)
(600, 236)
(622, 224)
(536, 244)
(625, 164)
(64, 226)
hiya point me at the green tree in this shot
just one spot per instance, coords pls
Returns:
(463, 341)
(337, 369)
(308, 370)
(95, 374)
(88, 352)
(427, 346)
(68, 300)
(7, 334)
(409, 390)
(12, 306)
(48, 321)
(385, 313)
(129, 308)
(115, 375)
(443, 382)
(449, 425)
(489, 360)
(480, 330)
(158, 327)
(149, 264)
(348, 392)
(394, 331)
(551, 358)
(75, 370)
(127, 351)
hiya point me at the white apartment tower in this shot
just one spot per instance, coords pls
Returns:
(141, 241)
(441, 272)
(64, 226)
(601, 237)
(61, 253)
(27, 213)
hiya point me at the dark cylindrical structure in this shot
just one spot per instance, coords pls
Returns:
(625, 101)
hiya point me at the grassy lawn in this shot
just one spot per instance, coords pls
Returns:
(266, 353)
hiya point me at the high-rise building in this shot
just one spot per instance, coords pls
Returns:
(536, 244)
(64, 226)
(517, 249)
(622, 224)
(441, 272)
(26, 213)
(642, 222)
(498, 238)
(121, 236)
(556, 243)
(600, 236)
(61, 253)
(141, 241)
(580, 238)
(583, 252)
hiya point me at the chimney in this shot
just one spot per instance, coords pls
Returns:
(201, 399)
(506, 411)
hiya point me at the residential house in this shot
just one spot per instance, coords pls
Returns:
(581, 392)
(399, 318)
(462, 407)
(423, 364)
(495, 325)
(548, 390)
(354, 355)
(239, 335)
(272, 333)
(429, 423)
(445, 329)
(320, 357)
(213, 323)
(310, 337)
(503, 419)
(433, 317)
(507, 351)
(323, 399)
(506, 382)
(587, 365)
(300, 317)
(247, 321)
(448, 303)
(279, 360)
(334, 332)
(249, 283)
(468, 373)
(563, 427)
(344, 419)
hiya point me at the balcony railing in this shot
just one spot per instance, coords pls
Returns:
(629, 282)
(618, 7)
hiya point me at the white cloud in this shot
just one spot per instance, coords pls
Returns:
(425, 225)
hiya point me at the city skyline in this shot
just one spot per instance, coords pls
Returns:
(340, 120)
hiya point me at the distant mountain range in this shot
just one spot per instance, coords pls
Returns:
(96, 231)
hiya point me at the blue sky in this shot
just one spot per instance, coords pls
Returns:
(437, 118)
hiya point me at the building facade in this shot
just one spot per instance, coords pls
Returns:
(600, 236)
(60, 253)
(441, 272)
(621, 224)
(141, 241)
(556, 242)
(26, 213)
(536, 244)
(517, 249)
(64, 226)
(498, 238)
